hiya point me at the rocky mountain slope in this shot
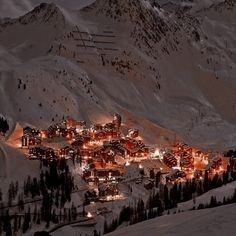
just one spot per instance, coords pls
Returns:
(157, 68)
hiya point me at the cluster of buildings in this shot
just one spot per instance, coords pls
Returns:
(31, 137)
(191, 163)
(101, 149)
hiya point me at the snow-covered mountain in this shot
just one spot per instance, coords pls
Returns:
(157, 68)
(168, 67)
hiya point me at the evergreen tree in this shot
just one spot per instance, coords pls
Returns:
(25, 223)
(0, 195)
(35, 214)
(166, 197)
(15, 224)
(206, 182)
(7, 223)
(213, 202)
(4, 127)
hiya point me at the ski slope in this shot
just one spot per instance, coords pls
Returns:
(209, 222)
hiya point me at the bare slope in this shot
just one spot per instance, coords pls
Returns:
(212, 222)
(126, 56)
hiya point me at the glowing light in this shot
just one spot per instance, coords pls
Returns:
(89, 215)
(176, 168)
(127, 163)
(157, 152)
(140, 166)
(109, 198)
(191, 176)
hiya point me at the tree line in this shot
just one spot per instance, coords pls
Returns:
(54, 186)
(4, 126)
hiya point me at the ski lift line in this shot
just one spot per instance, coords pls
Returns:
(89, 40)
(92, 46)
(85, 40)
(105, 42)
(88, 46)
(108, 32)
(95, 35)
(103, 35)
(111, 49)
(81, 36)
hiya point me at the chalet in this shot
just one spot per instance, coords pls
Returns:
(215, 163)
(170, 160)
(67, 152)
(138, 152)
(107, 175)
(115, 146)
(198, 153)
(116, 121)
(28, 141)
(91, 195)
(70, 122)
(44, 134)
(96, 128)
(78, 142)
(109, 127)
(86, 153)
(186, 163)
(104, 153)
(197, 174)
(108, 190)
(129, 143)
(57, 130)
(99, 135)
(31, 131)
(175, 174)
(41, 153)
(86, 138)
(133, 133)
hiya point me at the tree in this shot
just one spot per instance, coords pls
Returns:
(152, 174)
(105, 228)
(7, 224)
(125, 215)
(213, 202)
(206, 182)
(25, 223)
(15, 224)
(166, 197)
(158, 179)
(4, 127)
(35, 214)
(0, 195)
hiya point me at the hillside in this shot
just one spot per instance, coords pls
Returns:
(166, 66)
(130, 57)
(216, 221)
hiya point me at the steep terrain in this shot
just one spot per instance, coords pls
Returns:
(173, 70)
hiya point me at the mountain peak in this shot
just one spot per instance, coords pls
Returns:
(43, 13)
(148, 23)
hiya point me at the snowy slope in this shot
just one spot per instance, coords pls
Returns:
(128, 57)
(214, 222)
(221, 192)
